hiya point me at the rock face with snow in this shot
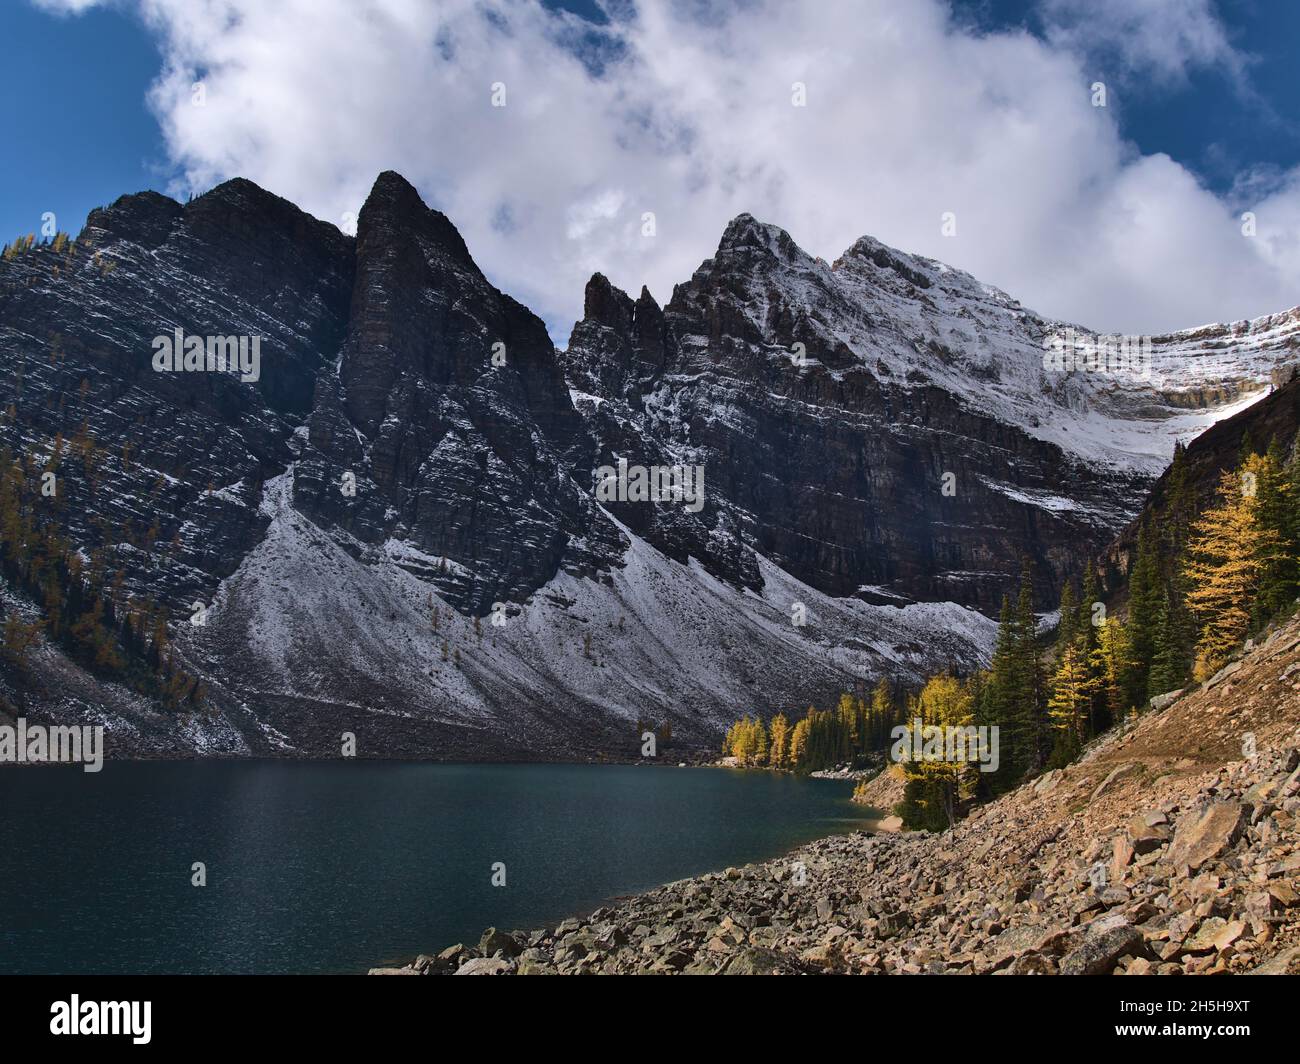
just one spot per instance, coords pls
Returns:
(399, 524)
(171, 490)
(885, 426)
(449, 410)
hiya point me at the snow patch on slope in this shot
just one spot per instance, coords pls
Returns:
(318, 617)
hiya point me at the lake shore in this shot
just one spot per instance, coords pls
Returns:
(1133, 860)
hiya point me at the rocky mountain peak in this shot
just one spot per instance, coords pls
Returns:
(746, 232)
(604, 304)
(394, 208)
(144, 218)
(908, 267)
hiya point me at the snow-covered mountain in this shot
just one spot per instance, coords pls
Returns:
(399, 529)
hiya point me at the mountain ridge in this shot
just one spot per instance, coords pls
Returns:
(561, 621)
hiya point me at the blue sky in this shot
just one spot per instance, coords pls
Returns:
(1230, 119)
(1204, 123)
(88, 135)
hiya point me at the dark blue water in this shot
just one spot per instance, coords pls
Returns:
(333, 867)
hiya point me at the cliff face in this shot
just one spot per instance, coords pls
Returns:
(397, 521)
(884, 426)
(170, 492)
(1218, 449)
(447, 407)
(808, 393)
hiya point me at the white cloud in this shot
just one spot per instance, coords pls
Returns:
(908, 115)
(68, 7)
(1155, 40)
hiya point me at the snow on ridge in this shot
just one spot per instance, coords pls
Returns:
(929, 322)
(305, 617)
(1044, 500)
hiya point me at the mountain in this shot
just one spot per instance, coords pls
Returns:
(397, 524)
(1205, 460)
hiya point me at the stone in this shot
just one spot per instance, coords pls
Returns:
(1285, 963)
(1145, 836)
(753, 961)
(1229, 934)
(1100, 951)
(1047, 782)
(1204, 937)
(483, 966)
(1015, 941)
(1031, 963)
(1230, 669)
(1118, 773)
(1205, 833)
(1121, 856)
(494, 941)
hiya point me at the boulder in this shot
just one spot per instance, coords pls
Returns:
(483, 966)
(894, 924)
(1119, 772)
(1102, 948)
(494, 941)
(1203, 940)
(1164, 701)
(1205, 833)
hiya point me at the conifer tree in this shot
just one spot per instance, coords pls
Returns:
(1070, 706)
(1068, 625)
(997, 704)
(760, 744)
(944, 777)
(1029, 703)
(780, 741)
(1145, 599)
(798, 745)
(1169, 662)
(1227, 557)
(882, 714)
(1113, 666)
(1274, 512)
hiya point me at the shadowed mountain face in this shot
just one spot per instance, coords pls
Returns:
(448, 408)
(882, 427)
(77, 332)
(398, 518)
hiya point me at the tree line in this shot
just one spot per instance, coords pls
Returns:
(1200, 583)
(849, 734)
(82, 609)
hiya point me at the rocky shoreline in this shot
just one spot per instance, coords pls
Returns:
(1163, 851)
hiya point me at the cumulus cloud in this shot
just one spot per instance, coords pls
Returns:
(687, 111)
(1161, 40)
